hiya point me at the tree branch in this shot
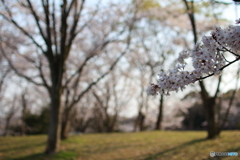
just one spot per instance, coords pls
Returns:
(77, 16)
(92, 53)
(23, 31)
(3, 78)
(36, 18)
(42, 76)
(128, 41)
(48, 26)
(237, 59)
(17, 72)
(54, 30)
(218, 87)
(101, 77)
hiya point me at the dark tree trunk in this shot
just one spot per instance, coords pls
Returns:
(65, 126)
(65, 129)
(208, 102)
(209, 106)
(24, 109)
(139, 122)
(160, 114)
(136, 123)
(112, 123)
(141, 125)
(212, 129)
(6, 130)
(55, 125)
(8, 120)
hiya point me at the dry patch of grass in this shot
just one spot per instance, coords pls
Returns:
(156, 145)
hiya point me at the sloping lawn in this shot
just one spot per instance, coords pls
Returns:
(156, 145)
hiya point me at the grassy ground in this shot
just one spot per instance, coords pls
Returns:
(124, 146)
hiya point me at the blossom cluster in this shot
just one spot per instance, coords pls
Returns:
(207, 59)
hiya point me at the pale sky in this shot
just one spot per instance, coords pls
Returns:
(233, 11)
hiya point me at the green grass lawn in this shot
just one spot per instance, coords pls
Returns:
(124, 146)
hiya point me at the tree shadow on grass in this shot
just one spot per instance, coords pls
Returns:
(63, 155)
(27, 146)
(32, 157)
(153, 156)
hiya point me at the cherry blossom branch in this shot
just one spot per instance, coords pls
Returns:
(237, 59)
(206, 60)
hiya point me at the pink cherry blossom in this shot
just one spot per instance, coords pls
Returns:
(207, 60)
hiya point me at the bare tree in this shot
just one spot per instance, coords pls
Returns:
(209, 102)
(51, 33)
(111, 97)
(9, 115)
(73, 91)
(24, 111)
(81, 117)
(151, 52)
